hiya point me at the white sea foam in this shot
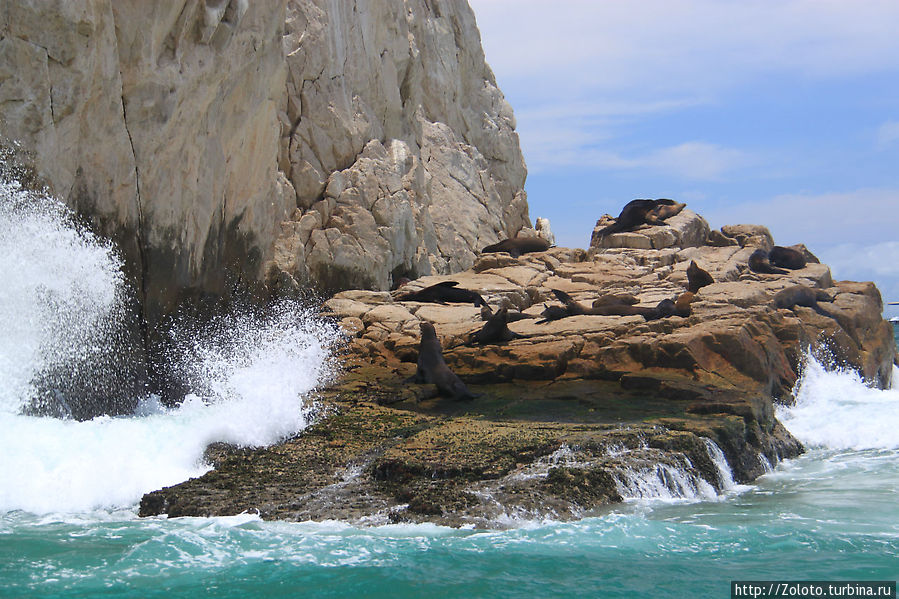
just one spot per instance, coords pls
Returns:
(60, 287)
(250, 375)
(837, 410)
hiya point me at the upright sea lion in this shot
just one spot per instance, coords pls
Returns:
(639, 212)
(516, 246)
(433, 369)
(682, 304)
(697, 278)
(786, 258)
(758, 262)
(445, 291)
(495, 330)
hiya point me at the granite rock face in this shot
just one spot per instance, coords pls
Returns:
(288, 142)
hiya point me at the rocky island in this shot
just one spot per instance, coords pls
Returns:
(573, 411)
(235, 149)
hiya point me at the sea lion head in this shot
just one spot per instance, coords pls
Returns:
(427, 330)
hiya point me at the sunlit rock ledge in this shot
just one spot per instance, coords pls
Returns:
(577, 414)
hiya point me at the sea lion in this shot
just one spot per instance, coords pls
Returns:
(433, 369)
(516, 246)
(445, 291)
(758, 262)
(615, 299)
(639, 212)
(552, 313)
(800, 295)
(697, 278)
(786, 258)
(495, 330)
(664, 209)
(400, 282)
(682, 304)
(574, 308)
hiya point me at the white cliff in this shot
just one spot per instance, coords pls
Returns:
(299, 143)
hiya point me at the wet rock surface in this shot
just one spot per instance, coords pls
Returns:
(573, 416)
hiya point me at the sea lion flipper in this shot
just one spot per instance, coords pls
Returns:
(447, 284)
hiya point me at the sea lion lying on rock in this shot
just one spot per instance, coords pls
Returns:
(758, 262)
(800, 295)
(516, 246)
(616, 299)
(664, 308)
(445, 291)
(640, 212)
(486, 313)
(433, 369)
(786, 258)
(495, 330)
(697, 278)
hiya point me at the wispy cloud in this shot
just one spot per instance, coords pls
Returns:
(863, 216)
(888, 134)
(860, 262)
(694, 160)
(685, 46)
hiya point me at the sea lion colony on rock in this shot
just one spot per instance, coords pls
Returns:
(432, 368)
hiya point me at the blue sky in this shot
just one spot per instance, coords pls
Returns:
(783, 113)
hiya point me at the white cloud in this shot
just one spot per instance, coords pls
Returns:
(860, 262)
(694, 160)
(683, 47)
(888, 133)
(861, 217)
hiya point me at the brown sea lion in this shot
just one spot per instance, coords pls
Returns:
(682, 304)
(516, 246)
(782, 257)
(400, 282)
(486, 312)
(758, 262)
(552, 313)
(495, 330)
(615, 299)
(664, 209)
(445, 291)
(433, 369)
(639, 212)
(697, 278)
(800, 295)
(574, 308)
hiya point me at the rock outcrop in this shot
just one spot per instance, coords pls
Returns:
(573, 415)
(226, 143)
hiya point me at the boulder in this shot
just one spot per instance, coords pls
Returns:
(686, 229)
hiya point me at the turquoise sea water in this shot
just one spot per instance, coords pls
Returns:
(68, 490)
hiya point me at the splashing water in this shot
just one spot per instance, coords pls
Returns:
(835, 409)
(61, 305)
(62, 292)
